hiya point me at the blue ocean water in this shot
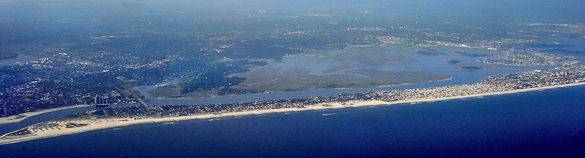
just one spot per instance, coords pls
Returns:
(547, 123)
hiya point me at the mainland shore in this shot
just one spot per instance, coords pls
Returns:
(99, 124)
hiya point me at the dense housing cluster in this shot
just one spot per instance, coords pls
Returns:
(530, 58)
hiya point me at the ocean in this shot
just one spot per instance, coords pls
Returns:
(547, 123)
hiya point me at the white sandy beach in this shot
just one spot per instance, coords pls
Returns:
(121, 122)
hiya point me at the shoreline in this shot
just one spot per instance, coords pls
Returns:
(24, 116)
(109, 123)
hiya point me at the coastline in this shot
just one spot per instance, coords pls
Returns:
(101, 124)
(24, 116)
